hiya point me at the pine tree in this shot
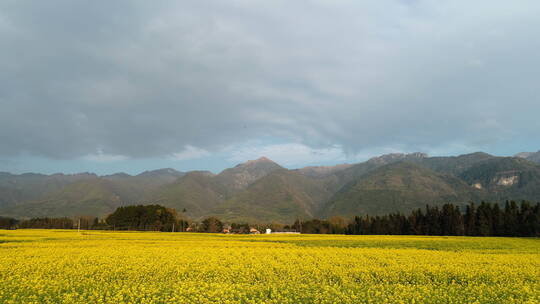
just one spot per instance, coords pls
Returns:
(470, 219)
(510, 218)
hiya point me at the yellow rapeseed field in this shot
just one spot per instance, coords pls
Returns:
(60, 266)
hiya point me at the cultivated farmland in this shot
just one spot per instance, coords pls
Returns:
(64, 266)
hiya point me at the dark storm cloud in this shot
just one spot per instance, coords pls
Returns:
(145, 79)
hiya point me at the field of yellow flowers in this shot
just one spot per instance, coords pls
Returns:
(61, 266)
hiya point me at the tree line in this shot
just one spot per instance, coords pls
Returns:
(485, 219)
(51, 223)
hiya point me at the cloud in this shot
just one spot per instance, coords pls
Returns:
(101, 157)
(190, 152)
(145, 80)
(289, 154)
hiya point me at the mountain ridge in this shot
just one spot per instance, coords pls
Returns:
(532, 156)
(262, 190)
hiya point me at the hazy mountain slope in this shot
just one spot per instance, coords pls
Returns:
(281, 196)
(358, 170)
(506, 178)
(535, 157)
(197, 192)
(30, 195)
(84, 194)
(16, 188)
(400, 186)
(323, 171)
(96, 197)
(159, 177)
(531, 156)
(454, 164)
(10, 196)
(243, 175)
(261, 190)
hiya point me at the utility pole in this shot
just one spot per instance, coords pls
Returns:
(172, 227)
(183, 219)
(79, 226)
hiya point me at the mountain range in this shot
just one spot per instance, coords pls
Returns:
(263, 191)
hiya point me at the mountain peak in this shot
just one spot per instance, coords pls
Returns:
(265, 161)
(163, 171)
(393, 157)
(117, 175)
(246, 173)
(262, 159)
(476, 154)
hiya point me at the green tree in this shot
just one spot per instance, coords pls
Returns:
(142, 217)
(212, 225)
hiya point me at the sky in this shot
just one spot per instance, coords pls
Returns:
(110, 86)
